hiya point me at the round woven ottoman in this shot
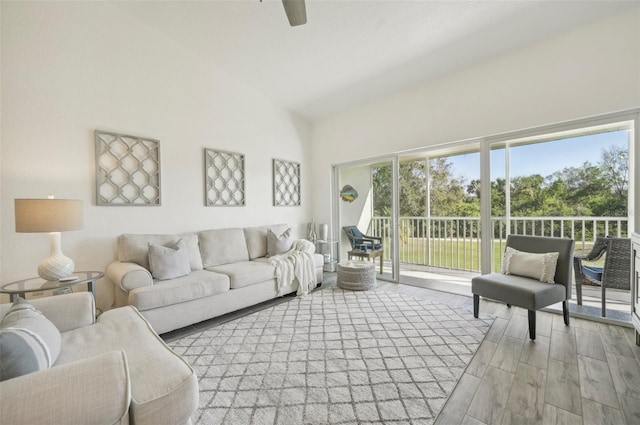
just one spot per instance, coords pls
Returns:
(356, 275)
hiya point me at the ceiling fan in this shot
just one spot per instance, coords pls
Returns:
(296, 12)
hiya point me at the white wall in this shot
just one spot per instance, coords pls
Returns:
(589, 71)
(69, 68)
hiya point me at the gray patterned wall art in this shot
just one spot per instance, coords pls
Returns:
(286, 183)
(127, 170)
(224, 178)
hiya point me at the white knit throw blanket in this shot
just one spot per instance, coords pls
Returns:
(297, 263)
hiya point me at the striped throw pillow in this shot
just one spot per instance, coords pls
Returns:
(29, 342)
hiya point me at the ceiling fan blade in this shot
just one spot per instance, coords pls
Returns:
(296, 12)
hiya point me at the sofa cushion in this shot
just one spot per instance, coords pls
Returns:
(164, 388)
(169, 262)
(245, 273)
(198, 284)
(222, 246)
(278, 243)
(135, 248)
(29, 342)
(256, 238)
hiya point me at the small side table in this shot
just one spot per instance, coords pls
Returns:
(36, 284)
(329, 250)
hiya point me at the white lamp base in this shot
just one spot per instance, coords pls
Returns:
(57, 265)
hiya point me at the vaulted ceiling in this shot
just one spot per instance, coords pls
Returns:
(351, 52)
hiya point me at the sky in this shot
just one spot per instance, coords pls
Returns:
(542, 158)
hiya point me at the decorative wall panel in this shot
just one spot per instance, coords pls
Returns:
(127, 170)
(224, 178)
(286, 183)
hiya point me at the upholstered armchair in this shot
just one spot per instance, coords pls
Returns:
(523, 282)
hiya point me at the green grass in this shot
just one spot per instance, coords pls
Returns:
(452, 254)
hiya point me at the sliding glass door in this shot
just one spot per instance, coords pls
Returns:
(367, 199)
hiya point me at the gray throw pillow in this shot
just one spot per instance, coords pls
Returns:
(169, 262)
(278, 244)
(29, 342)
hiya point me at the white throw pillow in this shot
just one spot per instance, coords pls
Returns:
(29, 342)
(278, 244)
(528, 264)
(167, 262)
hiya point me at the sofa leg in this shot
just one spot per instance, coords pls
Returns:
(532, 324)
(508, 305)
(565, 311)
(476, 305)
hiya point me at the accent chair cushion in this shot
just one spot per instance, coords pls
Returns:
(29, 342)
(278, 243)
(520, 291)
(167, 262)
(541, 267)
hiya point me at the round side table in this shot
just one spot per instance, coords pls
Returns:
(36, 284)
(356, 275)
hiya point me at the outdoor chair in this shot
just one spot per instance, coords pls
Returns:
(364, 246)
(616, 272)
(529, 292)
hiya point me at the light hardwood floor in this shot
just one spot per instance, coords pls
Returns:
(586, 373)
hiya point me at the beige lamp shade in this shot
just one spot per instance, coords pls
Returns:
(53, 216)
(48, 215)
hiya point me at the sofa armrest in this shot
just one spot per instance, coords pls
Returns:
(68, 311)
(90, 391)
(128, 276)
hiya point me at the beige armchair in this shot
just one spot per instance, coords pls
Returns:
(113, 370)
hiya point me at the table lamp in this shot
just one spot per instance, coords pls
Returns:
(53, 216)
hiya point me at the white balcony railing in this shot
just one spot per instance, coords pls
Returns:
(454, 242)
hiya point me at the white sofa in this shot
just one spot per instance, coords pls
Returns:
(113, 370)
(230, 270)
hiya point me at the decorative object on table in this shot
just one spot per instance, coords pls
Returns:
(356, 275)
(224, 177)
(127, 170)
(286, 183)
(50, 216)
(311, 231)
(323, 234)
(338, 368)
(348, 194)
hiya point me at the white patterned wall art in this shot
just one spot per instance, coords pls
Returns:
(224, 178)
(127, 170)
(286, 183)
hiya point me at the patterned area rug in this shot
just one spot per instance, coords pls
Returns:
(333, 357)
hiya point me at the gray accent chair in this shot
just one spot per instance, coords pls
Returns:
(527, 292)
